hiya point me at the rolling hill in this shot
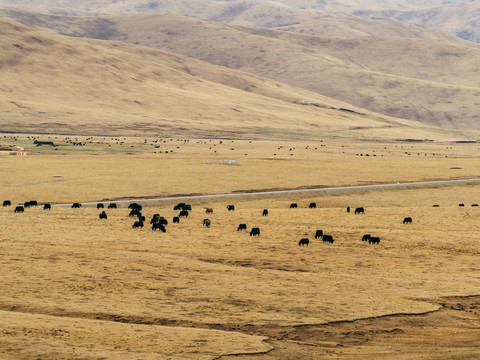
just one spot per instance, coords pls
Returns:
(56, 84)
(433, 82)
(460, 19)
(214, 8)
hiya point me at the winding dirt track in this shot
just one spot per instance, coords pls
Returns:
(291, 191)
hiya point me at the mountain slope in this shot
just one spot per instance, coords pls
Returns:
(189, 7)
(430, 81)
(460, 19)
(51, 83)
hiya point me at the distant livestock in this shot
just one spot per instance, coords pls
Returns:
(255, 231)
(7, 203)
(76, 206)
(359, 210)
(230, 207)
(47, 207)
(33, 203)
(374, 240)
(312, 205)
(137, 224)
(206, 222)
(366, 237)
(134, 212)
(265, 212)
(183, 213)
(158, 226)
(436, 205)
(208, 210)
(179, 206)
(318, 234)
(242, 227)
(26, 204)
(112, 206)
(407, 220)
(348, 209)
(474, 204)
(328, 238)
(293, 206)
(135, 206)
(461, 204)
(304, 241)
(99, 206)
(176, 219)
(19, 208)
(102, 215)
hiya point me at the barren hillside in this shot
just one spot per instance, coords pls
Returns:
(433, 82)
(51, 83)
(211, 7)
(460, 19)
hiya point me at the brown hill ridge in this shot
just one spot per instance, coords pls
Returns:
(434, 82)
(50, 83)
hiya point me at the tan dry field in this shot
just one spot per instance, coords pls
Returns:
(74, 286)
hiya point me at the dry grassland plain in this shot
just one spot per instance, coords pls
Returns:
(75, 286)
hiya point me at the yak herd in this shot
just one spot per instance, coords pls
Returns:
(159, 222)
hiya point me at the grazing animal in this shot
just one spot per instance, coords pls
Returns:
(162, 220)
(318, 234)
(436, 205)
(26, 204)
(176, 219)
(183, 213)
(407, 220)
(374, 240)
(328, 238)
(242, 227)
(112, 206)
(141, 218)
(99, 206)
(179, 206)
(102, 215)
(187, 207)
(304, 241)
(33, 203)
(137, 224)
(158, 226)
(19, 208)
(7, 203)
(461, 204)
(359, 210)
(366, 237)
(293, 206)
(206, 222)
(135, 212)
(255, 231)
(76, 206)
(312, 205)
(47, 206)
(208, 210)
(348, 209)
(474, 204)
(154, 220)
(230, 207)
(135, 206)
(265, 212)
